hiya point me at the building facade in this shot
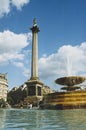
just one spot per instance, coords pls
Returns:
(3, 87)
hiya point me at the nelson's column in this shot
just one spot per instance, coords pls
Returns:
(34, 84)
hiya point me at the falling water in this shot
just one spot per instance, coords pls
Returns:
(69, 66)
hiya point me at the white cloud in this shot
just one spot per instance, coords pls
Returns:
(26, 72)
(10, 41)
(20, 3)
(5, 5)
(7, 57)
(11, 45)
(21, 65)
(18, 64)
(68, 60)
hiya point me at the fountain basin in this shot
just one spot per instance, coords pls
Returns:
(65, 100)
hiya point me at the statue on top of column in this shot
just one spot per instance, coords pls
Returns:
(34, 22)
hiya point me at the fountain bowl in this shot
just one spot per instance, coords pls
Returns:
(70, 80)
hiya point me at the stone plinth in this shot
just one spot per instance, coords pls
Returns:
(65, 100)
(34, 87)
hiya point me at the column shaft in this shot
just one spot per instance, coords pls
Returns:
(34, 69)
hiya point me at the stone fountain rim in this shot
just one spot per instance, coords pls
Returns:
(69, 77)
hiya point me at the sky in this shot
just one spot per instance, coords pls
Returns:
(61, 40)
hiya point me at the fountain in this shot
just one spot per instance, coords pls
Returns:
(70, 82)
(74, 97)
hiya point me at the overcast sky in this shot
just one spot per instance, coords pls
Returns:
(62, 39)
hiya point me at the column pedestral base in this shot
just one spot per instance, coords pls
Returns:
(34, 87)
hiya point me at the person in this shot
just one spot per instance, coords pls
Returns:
(30, 106)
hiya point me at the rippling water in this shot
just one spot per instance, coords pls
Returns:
(24, 119)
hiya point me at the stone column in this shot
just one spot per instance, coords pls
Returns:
(34, 65)
(34, 85)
